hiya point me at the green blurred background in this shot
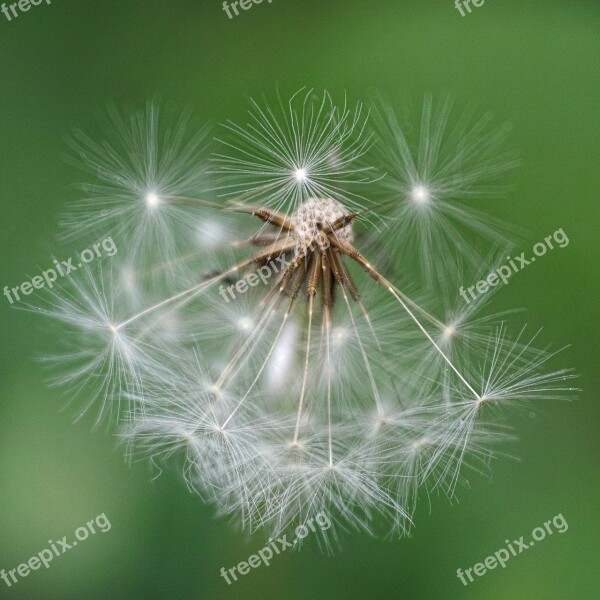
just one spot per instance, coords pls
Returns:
(535, 64)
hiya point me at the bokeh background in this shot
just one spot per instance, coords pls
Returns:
(535, 64)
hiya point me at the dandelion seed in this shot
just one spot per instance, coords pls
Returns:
(429, 178)
(143, 176)
(287, 154)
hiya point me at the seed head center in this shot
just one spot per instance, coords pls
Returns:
(317, 214)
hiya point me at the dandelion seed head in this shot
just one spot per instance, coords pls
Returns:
(261, 346)
(316, 214)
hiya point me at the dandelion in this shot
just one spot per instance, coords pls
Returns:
(144, 172)
(309, 148)
(431, 173)
(317, 382)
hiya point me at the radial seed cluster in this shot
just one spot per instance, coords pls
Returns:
(263, 326)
